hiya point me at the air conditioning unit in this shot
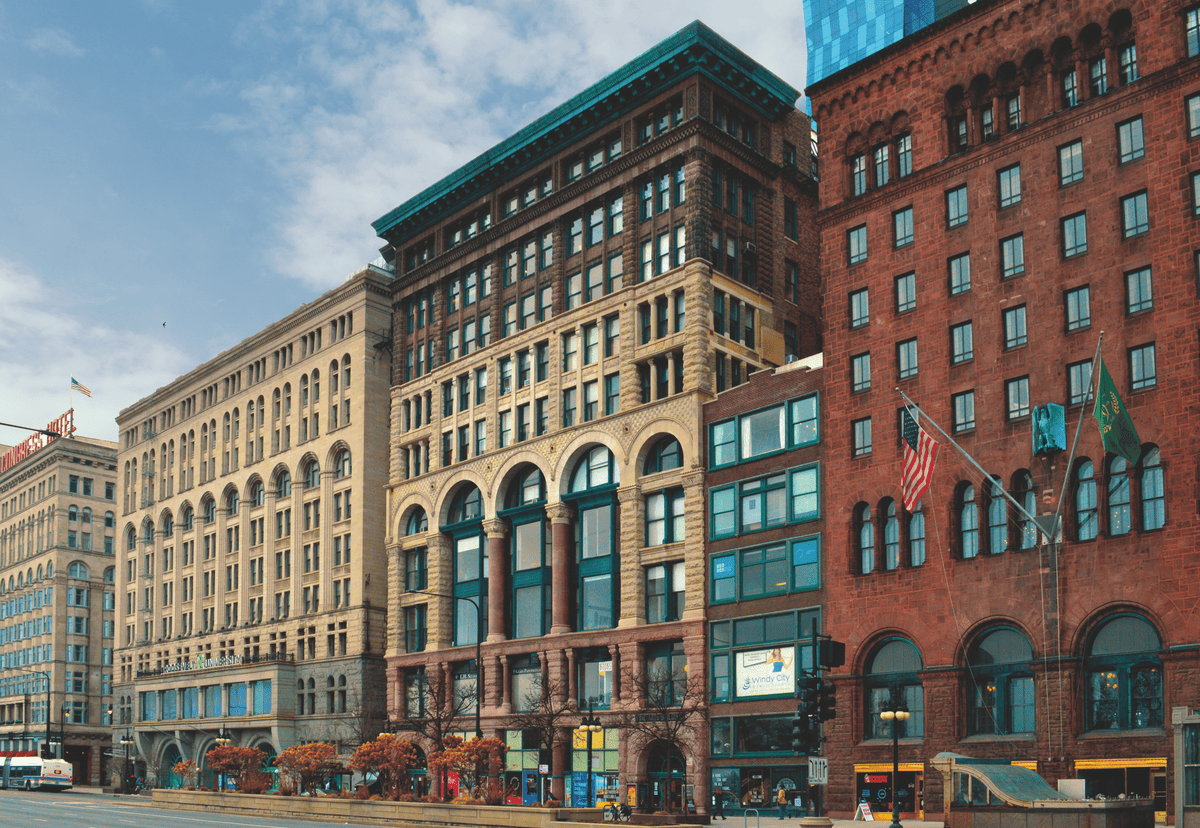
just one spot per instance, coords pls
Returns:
(751, 247)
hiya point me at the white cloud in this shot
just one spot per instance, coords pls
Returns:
(386, 99)
(47, 339)
(54, 42)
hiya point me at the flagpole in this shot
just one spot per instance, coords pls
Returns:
(1092, 380)
(964, 453)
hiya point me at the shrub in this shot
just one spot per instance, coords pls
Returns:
(286, 790)
(255, 782)
(375, 798)
(406, 797)
(362, 792)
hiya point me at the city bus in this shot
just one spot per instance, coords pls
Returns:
(32, 773)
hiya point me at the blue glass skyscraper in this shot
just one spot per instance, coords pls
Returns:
(842, 32)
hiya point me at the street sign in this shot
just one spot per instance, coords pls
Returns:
(818, 770)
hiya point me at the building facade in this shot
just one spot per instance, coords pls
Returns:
(57, 535)
(566, 304)
(251, 577)
(999, 191)
(765, 533)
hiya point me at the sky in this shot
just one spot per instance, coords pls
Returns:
(179, 174)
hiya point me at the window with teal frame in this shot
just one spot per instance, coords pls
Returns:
(529, 553)
(470, 565)
(768, 431)
(759, 639)
(792, 565)
(790, 496)
(593, 490)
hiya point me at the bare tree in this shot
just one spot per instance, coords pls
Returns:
(669, 707)
(544, 711)
(365, 718)
(435, 708)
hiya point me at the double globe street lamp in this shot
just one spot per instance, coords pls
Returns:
(590, 726)
(895, 713)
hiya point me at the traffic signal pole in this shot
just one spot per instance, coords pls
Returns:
(816, 703)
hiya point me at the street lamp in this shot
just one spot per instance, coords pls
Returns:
(478, 641)
(62, 730)
(895, 713)
(127, 741)
(224, 737)
(590, 725)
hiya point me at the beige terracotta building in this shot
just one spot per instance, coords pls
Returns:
(57, 534)
(566, 304)
(250, 564)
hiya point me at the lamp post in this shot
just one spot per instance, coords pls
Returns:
(478, 641)
(224, 737)
(62, 729)
(590, 725)
(127, 741)
(895, 713)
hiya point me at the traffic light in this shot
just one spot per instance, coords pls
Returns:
(826, 701)
(831, 653)
(806, 695)
(803, 735)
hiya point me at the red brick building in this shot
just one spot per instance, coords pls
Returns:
(998, 190)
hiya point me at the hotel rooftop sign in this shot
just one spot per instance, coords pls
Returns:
(62, 426)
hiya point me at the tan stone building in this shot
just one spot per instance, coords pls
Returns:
(250, 566)
(566, 304)
(57, 534)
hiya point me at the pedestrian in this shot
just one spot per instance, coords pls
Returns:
(781, 799)
(719, 804)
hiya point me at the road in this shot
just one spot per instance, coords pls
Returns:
(68, 809)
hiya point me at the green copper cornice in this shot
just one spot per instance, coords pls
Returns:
(695, 49)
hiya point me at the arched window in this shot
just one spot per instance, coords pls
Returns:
(997, 513)
(303, 390)
(530, 554)
(85, 515)
(528, 488)
(258, 493)
(210, 511)
(891, 535)
(1118, 497)
(77, 569)
(316, 386)
(916, 537)
(147, 531)
(968, 522)
(73, 513)
(110, 520)
(232, 503)
(1124, 675)
(345, 372)
(168, 525)
(110, 575)
(593, 491)
(1154, 508)
(665, 454)
(186, 517)
(893, 671)
(341, 464)
(311, 475)
(467, 505)
(866, 539)
(597, 468)
(1023, 491)
(1085, 501)
(283, 485)
(1001, 683)
(418, 522)
(131, 539)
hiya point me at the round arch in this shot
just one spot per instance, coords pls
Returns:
(515, 465)
(646, 437)
(577, 449)
(450, 490)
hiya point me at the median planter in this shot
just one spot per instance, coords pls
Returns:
(336, 809)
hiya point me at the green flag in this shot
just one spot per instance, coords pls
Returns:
(1116, 429)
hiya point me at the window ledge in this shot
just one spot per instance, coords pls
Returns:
(998, 737)
(1156, 732)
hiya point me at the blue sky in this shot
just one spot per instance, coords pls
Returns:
(213, 165)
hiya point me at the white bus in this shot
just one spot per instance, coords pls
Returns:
(34, 773)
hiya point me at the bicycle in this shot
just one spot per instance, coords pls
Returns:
(617, 812)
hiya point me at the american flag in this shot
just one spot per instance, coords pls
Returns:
(82, 389)
(920, 451)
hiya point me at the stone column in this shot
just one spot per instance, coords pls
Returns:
(562, 765)
(562, 539)
(395, 576)
(572, 680)
(632, 612)
(498, 568)
(695, 586)
(671, 357)
(441, 610)
(505, 686)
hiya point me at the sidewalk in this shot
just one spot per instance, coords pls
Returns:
(771, 817)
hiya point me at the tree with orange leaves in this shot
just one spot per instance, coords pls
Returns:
(390, 758)
(471, 760)
(235, 762)
(309, 763)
